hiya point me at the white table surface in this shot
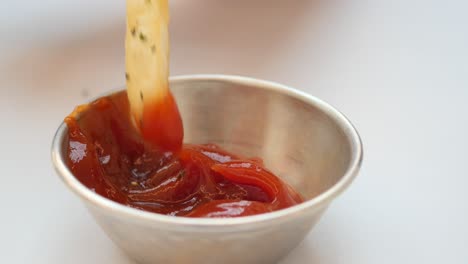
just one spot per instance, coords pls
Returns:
(397, 69)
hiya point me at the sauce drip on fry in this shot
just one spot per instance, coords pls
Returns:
(161, 124)
(109, 155)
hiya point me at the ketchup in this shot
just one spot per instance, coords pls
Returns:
(109, 155)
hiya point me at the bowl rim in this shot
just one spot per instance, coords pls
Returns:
(321, 200)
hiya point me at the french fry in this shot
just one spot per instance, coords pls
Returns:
(147, 73)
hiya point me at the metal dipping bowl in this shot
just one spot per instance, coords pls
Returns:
(302, 139)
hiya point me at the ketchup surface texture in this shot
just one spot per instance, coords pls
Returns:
(109, 156)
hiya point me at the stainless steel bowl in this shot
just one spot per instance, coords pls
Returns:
(305, 141)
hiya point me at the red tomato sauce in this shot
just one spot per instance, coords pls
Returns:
(108, 155)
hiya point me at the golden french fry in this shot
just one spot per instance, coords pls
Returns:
(147, 53)
(154, 111)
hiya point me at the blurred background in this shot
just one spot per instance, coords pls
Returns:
(398, 69)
